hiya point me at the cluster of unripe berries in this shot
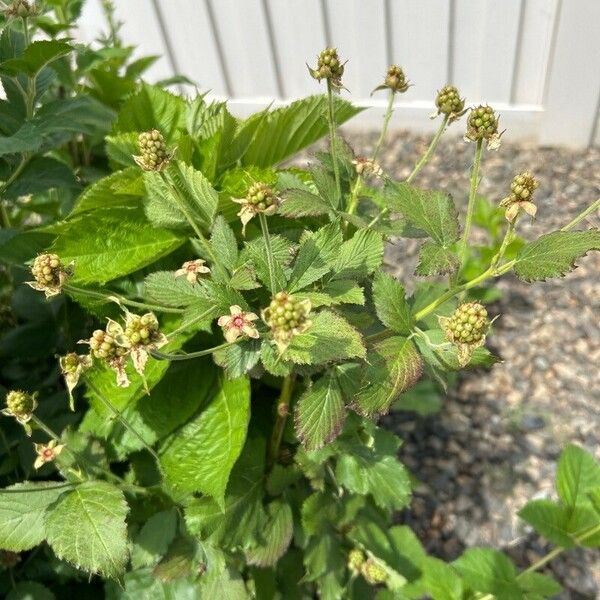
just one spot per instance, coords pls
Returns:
(395, 79)
(20, 404)
(448, 101)
(153, 150)
(261, 196)
(287, 313)
(373, 572)
(522, 187)
(468, 324)
(140, 331)
(47, 270)
(482, 123)
(103, 344)
(328, 65)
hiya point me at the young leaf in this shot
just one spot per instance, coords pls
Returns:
(329, 338)
(577, 474)
(320, 413)
(390, 303)
(86, 527)
(554, 254)
(22, 513)
(359, 256)
(433, 212)
(277, 536)
(436, 260)
(315, 256)
(200, 457)
(108, 244)
(286, 130)
(490, 572)
(179, 193)
(393, 366)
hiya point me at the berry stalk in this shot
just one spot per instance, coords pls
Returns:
(175, 357)
(270, 261)
(283, 409)
(471, 204)
(332, 140)
(580, 217)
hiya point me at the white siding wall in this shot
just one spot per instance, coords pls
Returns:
(536, 61)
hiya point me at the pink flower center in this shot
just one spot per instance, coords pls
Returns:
(238, 322)
(48, 453)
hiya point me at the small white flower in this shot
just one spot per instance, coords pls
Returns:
(192, 269)
(47, 453)
(238, 323)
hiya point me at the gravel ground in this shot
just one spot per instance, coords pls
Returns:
(495, 443)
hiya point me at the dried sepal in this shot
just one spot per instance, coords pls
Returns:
(72, 367)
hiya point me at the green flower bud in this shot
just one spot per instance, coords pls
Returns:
(482, 124)
(154, 155)
(373, 572)
(449, 102)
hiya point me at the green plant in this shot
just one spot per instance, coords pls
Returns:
(221, 294)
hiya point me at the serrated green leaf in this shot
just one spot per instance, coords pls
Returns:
(42, 173)
(382, 476)
(36, 56)
(238, 359)
(441, 581)
(336, 292)
(436, 260)
(143, 583)
(433, 212)
(86, 527)
(393, 366)
(286, 130)
(238, 523)
(256, 251)
(224, 244)
(577, 474)
(550, 520)
(277, 535)
(22, 509)
(316, 256)
(320, 413)
(168, 290)
(200, 457)
(122, 148)
(390, 303)
(329, 338)
(154, 538)
(359, 256)
(112, 243)
(490, 572)
(302, 203)
(179, 193)
(554, 254)
(538, 586)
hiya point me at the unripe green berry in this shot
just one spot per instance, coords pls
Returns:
(482, 123)
(19, 403)
(261, 196)
(522, 187)
(103, 346)
(47, 270)
(356, 559)
(153, 151)
(373, 572)
(395, 79)
(448, 101)
(468, 324)
(329, 67)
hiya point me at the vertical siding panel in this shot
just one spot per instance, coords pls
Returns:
(420, 44)
(358, 31)
(193, 45)
(245, 38)
(299, 37)
(538, 23)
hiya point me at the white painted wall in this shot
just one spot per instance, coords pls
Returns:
(536, 61)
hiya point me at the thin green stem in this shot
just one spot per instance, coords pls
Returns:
(508, 238)
(119, 415)
(4, 218)
(191, 322)
(353, 204)
(283, 409)
(270, 260)
(386, 121)
(419, 165)
(332, 139)
(580, 217)
(121, 300)
(25, 32)
(471, 205)
(174, 357)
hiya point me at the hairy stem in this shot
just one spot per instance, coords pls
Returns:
(508, 237)
(191, 322)
(332, 140)
(174, 357)
(283, 408)
(121, 300)
(119, 416)
(270, 261)
(386, 121)
(420, 164)
(471, 205)
(580, 217)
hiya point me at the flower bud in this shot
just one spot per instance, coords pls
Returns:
(373, 572)
(287, 316)
(154, 155)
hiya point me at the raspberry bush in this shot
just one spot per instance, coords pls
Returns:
(227, 338)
